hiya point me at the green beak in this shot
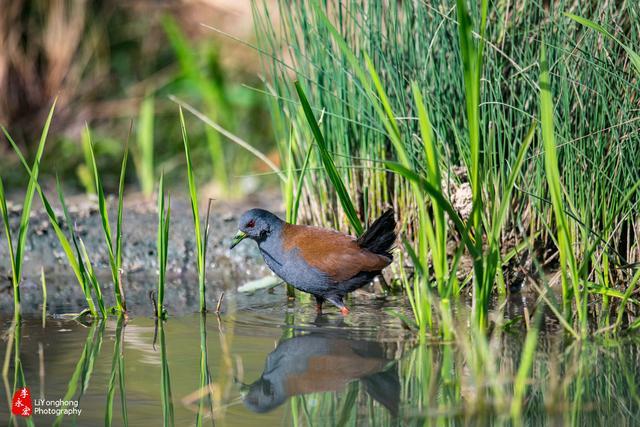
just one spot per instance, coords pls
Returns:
(239, 237)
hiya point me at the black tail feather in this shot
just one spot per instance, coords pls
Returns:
(380, 236)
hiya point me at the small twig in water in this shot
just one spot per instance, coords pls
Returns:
(219, 304)
(155, 334)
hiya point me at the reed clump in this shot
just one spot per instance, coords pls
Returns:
(406, 91)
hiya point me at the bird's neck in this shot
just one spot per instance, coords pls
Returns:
(272, 248)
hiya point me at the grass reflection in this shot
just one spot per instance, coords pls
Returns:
(117, 372)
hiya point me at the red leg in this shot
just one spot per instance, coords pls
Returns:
(337, 301)
(319, 301)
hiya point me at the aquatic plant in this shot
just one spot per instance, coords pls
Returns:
(382, 58)
(16, 255)
(77, 255)
(143, 150)
(162, 246)
(114, 247)
(201, 236)
(212, 90)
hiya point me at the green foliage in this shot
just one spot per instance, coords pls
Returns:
(114, 248)
(164, 219)
(202, 236)
(329, 166)
(16, 256)
(143, 152)
(213, 95)
(365, 72)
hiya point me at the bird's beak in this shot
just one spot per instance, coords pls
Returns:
(239, 237)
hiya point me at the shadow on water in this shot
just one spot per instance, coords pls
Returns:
(325, 360)
(272, 363)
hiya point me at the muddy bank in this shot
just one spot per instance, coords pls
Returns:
(225, 268)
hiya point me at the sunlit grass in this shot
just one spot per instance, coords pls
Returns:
(162, 245)
(114, 246)
(143, 150)
(16, 255)
(201, 235)
(418, 89)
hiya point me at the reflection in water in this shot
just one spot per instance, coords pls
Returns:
(320, 361)
(85, 367)
(165, 379)
(361, 371)
(117, 372)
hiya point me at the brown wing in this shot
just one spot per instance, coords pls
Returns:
(334, 253)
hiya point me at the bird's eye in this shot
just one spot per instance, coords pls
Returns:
(251, 224)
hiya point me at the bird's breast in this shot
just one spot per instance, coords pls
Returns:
(290, 267)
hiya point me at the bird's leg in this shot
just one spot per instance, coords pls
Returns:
(337, 301)
(319, 301)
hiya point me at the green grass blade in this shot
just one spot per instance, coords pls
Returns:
(73, 257)
(568, 267)
(143, 154)
(118, 286)
(633, 56)
(164, 218)
(330, 167)
(7, 231)
(195, 211)
(84, 263)
(438, 196)
(28, 199)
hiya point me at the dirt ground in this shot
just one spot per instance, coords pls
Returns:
(225, 268)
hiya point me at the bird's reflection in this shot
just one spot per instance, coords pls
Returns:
(324, 360)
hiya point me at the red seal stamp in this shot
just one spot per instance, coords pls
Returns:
(21, 404)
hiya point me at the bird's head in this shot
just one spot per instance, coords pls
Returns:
(256, 224)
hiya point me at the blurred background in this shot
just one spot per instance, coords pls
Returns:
(110, 63)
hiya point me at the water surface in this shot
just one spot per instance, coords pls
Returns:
(266, 362)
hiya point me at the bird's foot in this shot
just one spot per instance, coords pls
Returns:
(344, 310)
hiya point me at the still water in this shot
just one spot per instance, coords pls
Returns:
(268, 363)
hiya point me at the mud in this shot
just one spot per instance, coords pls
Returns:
(225, 268)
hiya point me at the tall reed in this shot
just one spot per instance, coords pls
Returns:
(213, 96)
(164, 219)
(16, 255)
(420, 88)
(201, 236)
(143, 150)
(114, 247)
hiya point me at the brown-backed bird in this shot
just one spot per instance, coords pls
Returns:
(325, 263)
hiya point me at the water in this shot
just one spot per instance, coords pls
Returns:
(272, 363)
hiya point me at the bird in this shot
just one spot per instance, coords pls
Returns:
(325, 263)
(325, 361)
